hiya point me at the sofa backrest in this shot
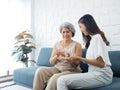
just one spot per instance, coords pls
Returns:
(44, 56)
(115, 60)
(84, 66)
(45, 53)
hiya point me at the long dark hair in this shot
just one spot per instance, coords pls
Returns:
(92, 28)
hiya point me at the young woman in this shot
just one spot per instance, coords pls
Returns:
(99, 70)
(64, 48)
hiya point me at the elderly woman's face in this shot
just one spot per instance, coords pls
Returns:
(66, 33)
(83, 28)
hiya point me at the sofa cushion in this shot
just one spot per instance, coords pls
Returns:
(25, 76)
(115, 60)
(44, 56)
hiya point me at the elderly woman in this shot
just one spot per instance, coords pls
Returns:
(46, 77)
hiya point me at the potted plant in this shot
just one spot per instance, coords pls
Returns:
(23, 46)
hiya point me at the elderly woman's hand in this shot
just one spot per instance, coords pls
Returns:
(61, 53)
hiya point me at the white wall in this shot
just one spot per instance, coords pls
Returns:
(47, 16)
(15, 16)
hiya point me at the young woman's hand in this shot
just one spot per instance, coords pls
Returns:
(73, 58)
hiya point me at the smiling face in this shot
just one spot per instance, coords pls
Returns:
(83, 29)
(66, 34)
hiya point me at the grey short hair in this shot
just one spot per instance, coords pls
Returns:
(68, 26)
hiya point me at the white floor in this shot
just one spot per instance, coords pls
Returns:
(15, 87)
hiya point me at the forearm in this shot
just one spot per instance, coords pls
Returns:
(95, 62)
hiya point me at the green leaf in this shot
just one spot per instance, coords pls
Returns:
(27, 35)
(32, 47)
(23, 46)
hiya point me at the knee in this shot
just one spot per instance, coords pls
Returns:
(40, 71)
(52, 83)
(60, 80)
(61, 83)
(54, 78)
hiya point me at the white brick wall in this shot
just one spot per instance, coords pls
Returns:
(47, 16)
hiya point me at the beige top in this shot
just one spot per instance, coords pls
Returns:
(64, 65)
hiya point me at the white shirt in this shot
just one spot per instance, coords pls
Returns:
(97, 48)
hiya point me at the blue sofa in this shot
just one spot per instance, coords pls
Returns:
(25, 76)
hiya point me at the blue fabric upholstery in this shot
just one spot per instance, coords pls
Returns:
(44, 56)
(84, 66)
(25, 76)
(115, 60)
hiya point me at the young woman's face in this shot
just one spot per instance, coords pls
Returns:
(66, 34)
(83, 28)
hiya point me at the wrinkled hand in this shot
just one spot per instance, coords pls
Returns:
(63, 54)
(63, 58)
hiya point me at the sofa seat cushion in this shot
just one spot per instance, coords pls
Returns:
(24, 76)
